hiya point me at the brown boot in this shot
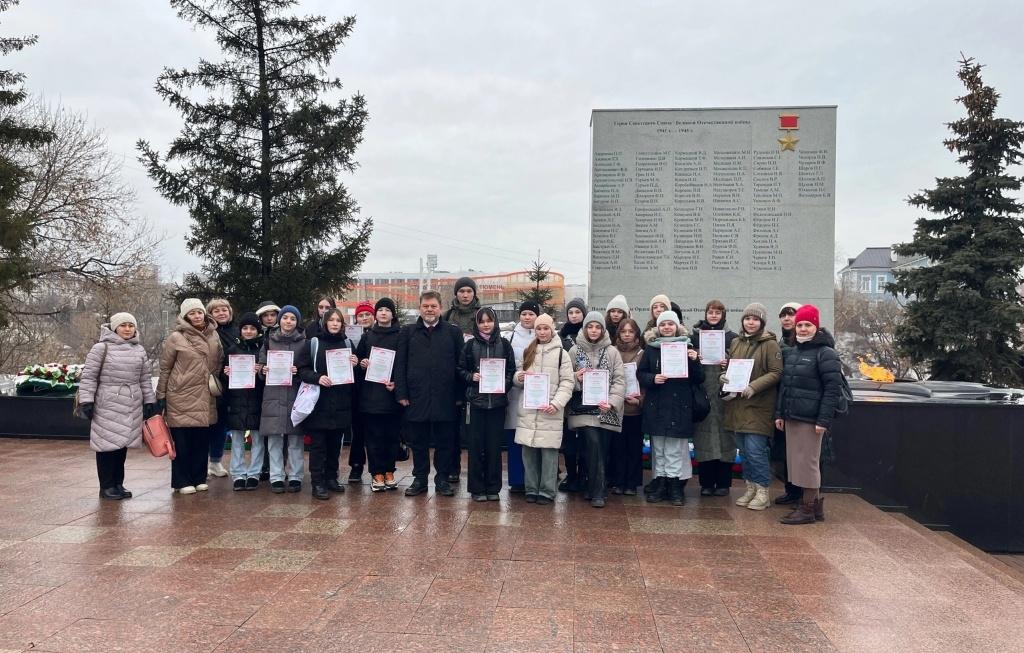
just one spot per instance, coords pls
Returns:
(819, 509)
(804, 514)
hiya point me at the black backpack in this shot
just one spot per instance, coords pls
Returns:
(845, 393)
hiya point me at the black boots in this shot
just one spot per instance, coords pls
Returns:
(675, 491)
(320, 492)
(111, 493)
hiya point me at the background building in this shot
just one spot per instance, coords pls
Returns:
(872, 269)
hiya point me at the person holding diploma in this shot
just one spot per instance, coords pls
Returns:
(749, 416)
(625, 468)
(276, 413)
(713, 446)
(520, 339)
(189, 360)
(597, 424)
(427, 384)
(332, 415)
(242, 407)
(668, 412)
(539, 430)
(364, 314)
(381, 413)
(572, 449)
(486, 409)
(812, 380)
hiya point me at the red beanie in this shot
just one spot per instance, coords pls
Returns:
(808, 313)
(364, 307)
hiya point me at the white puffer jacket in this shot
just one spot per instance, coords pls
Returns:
(535, 428)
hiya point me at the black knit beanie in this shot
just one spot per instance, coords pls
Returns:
(388, 303)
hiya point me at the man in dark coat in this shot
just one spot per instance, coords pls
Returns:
(427, 384)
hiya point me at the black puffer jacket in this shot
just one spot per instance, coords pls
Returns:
(668, 407)
(812, 379)
(426, 371)
(493, 346)
(333, 410)
(375, 398)
(242, 406)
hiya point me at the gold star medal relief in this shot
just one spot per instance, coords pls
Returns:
(789, 123)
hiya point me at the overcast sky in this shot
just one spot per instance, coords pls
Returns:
(478, 143)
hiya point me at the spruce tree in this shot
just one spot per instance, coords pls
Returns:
(16, 229)
(964, 314)
(259, 160)
(538, 273)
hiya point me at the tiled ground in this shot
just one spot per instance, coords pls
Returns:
(253, 572)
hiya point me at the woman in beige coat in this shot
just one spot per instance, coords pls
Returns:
(539, 431)
(187, 392)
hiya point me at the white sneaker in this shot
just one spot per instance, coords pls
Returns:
(188, 489)
(217, 469)
(748, 496)
(202, 487)
(761, 499)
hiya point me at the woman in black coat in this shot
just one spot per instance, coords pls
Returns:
(332, 415)
(811, 388)
(381, 413)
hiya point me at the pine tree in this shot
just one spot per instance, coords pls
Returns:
(964, 315)
(542, 295)
(258, 161)
(16, 230)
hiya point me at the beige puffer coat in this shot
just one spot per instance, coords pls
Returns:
(117, 381)
(535, 428)
(188, 358)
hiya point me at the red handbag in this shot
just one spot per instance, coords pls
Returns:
(157, 437)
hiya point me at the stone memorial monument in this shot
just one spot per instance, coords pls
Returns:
(734, 204)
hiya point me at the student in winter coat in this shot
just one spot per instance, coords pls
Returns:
(242, 407)
(749, 415)
(427, 384)
(381, 413)
(364, 315)
(625, 469)
(539, 431)
(713, 446)
(597, 425)
(464, 306)
(332, 415)
(812, 382)
(787, 339)
(486, 411)
(668, 412)
(190, 360)
(276, 416)
(659, 304)
(520, 339)
(617, 310)
(268, 312)
(223, 315)
(116, 394)
(312, 328)
(572, 450)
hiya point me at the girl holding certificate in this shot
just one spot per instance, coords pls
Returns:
(626, 471)
(243, 404)
(668, 412)
(331, 369)
(284, 351)
(713, 445)
(546, 368)
(596, 413)
(381, 413)
(486, 366)
(750, 415)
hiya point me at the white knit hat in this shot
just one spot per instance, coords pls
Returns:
(117, 319)
(619, 302)
(668, 316)
(190, 304)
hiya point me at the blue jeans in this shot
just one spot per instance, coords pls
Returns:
(756, 457)
(238, 468)
(296, 464)
(516, 471)
(218, 436)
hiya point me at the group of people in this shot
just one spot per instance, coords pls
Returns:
(455, 378)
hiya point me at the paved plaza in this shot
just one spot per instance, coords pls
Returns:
(250, 572)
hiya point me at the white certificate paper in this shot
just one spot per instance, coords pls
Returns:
(243, 372)
(339, 367)
(674, 363)
(632, 384)
(279, 367)
(381, 363)
(355, 334)
(536, 390)
(737, 375)
(595, 387)
(712, 347)
(492, 376)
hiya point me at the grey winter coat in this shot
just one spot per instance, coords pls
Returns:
(117, 381)
(276, 417)
(711, 440)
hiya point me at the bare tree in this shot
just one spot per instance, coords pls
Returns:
(866, 331)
